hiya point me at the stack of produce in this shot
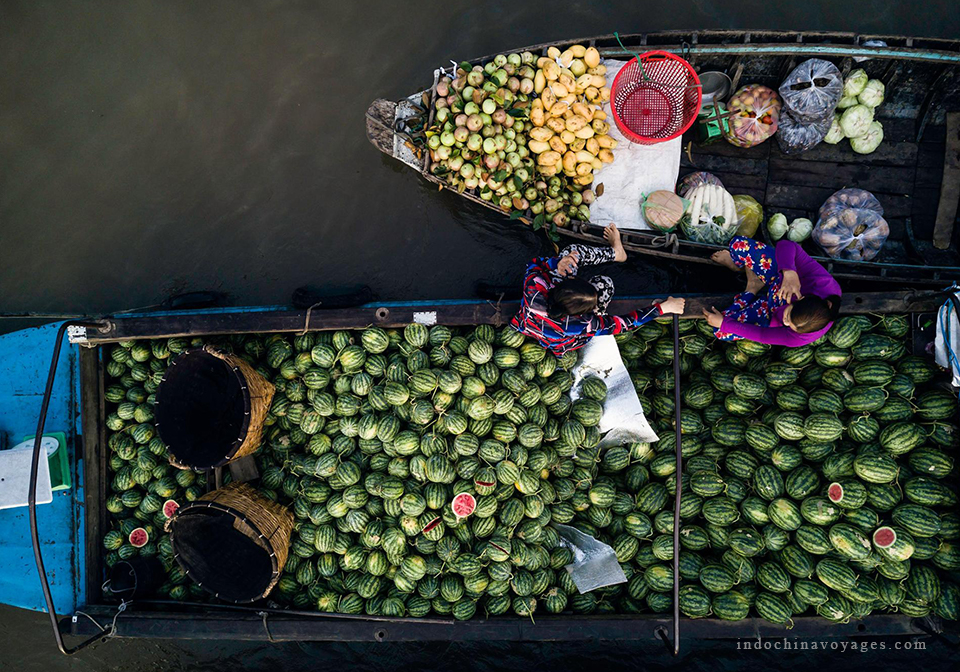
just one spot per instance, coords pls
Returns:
(855, 112)
(798, 230)
(850, 225)
(711, 216)
(755, 114)
(810, 95)
(528, 133)
(373, 433)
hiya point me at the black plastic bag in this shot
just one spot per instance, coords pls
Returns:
(796, 136)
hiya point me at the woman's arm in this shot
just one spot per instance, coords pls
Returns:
(615, 324)
(787, 253)
(588, 255)
(769, 335)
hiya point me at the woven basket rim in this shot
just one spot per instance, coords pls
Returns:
(244, 385)
(226, 508)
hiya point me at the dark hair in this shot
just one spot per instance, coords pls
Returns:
(571, 297)
(811, 313)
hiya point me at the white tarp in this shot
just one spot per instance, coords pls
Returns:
(948, 339)
(623, 420)
(636, 171)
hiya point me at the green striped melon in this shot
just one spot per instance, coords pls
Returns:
(822, 427)
(936, 405)
(836, 574)
(862, 399)
(876, 468)
(930, 462)
(838, 380)
(872, 372)
(918, 520)
(845, 332)
(790, 426)
(832, 357)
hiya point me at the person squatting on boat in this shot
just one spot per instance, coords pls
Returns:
(790, 299)
(563, 312)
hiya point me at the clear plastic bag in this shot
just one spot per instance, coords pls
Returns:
(690, 182)
(795, 136)
(812, 90)
(662, 210)
(851, 225)
(711, 217)
(756, 112)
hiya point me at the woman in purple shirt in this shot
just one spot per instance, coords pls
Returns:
(800, 303)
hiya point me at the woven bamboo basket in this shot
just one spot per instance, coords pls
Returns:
(232, 542)
(210, 408)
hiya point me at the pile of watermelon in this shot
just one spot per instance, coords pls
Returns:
(424, 467)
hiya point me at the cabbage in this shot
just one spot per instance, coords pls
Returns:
(835, 134)
(872, 94)
(777, 226)
(854, 83)
(847, 101)
(800, 229)
(869, 141)
(856, 120)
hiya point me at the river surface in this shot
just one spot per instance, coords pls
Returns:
(149, 148)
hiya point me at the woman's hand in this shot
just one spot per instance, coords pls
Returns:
(612, 234)
(568, 265)
(790, 287)
(714, 317)
(673, 305)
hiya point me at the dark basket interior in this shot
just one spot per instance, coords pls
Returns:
(220, 557)
(202, 410)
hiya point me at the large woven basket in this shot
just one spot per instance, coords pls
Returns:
(210, 408)
(232, 542)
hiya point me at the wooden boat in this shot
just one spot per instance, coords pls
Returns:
(72, 525)
(905, 173)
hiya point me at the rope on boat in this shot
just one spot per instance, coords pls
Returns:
(306, 321)
(266, 626)
(667, 240)
(498, 315)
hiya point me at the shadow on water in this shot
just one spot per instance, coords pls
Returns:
(150, 148)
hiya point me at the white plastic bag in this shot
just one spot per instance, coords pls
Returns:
(812, 90)
(623, 420)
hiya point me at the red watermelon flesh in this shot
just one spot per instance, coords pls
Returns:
(884, 537)
(835, 493)
(169, 508)
(139, 537)
(463, 505)
(432, 524)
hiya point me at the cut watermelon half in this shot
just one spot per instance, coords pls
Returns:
(463, 505)
(835, 492)
(884, 537)
(139, 537)
(169, 508)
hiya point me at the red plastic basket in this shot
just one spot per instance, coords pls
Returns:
(656, 101)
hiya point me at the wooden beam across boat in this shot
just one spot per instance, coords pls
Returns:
(453, 313)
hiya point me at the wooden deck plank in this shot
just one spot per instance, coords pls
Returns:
(877, 179)
(811, 198)
(888, 153)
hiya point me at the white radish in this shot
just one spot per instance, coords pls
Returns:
(696, 205)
